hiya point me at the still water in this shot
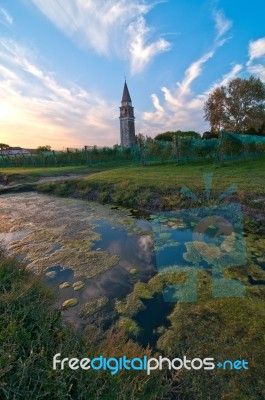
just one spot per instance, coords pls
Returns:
(89, 251)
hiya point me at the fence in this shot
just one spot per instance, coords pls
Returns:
(181, 150)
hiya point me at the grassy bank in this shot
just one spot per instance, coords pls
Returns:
(32, 332)
(159, 186)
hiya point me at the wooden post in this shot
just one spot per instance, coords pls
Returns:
(54, 158)
(176, 148)
(88, 157)
(68, 156)
(221, 147)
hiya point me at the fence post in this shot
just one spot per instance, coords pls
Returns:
(221, 134)
(176, 148)
(88, 158)
(68, 156)
(54, 158)
(141, 145)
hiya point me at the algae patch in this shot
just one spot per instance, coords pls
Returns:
(69, 303)
(60, 232)
(93, 306)
(64, 285)
(78, 285)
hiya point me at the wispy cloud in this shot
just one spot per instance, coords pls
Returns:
(195, 69)
(192, 73)
(5, 17)
(181, 108)
(237, 68)
(222, 23)
(36, 109)
(182, 112)
(141, 53)
(256, 62)
(108, 27)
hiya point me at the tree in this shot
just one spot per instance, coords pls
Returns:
(3, 146)
(169, 136)
(141, 141)
(44, 148)
(237, 107)
(209, 135)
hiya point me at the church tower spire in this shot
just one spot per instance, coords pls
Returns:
(127, 128)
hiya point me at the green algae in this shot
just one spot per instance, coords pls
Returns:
(129, 326)
(142, 290)
(163, 241)
(132, 304)
(61, 233)
(69, 303)
(192, 254)
(165, 235)
(133, 271)
(129, 307)
(64, 285)
(78, 285)
(93, 306)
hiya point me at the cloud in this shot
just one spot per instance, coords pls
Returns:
(256, 48)
(258, 70)
(35, 108)
(222, 24)
(195, 69)
(182, 112)
(5, 17)
(237, 68)
(192, 73)
(141, 53)
(181, 109)
(108, 27)
(256, 51)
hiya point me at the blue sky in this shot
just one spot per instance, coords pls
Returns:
(63, 62)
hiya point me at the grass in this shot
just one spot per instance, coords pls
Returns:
(247, 174)
(159, 186)
(31, 174)
(32, 332)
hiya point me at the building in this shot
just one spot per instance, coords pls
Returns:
(14, 151)
(127, 127)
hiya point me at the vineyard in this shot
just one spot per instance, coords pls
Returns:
(147, 151)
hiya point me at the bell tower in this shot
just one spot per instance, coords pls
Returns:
(127, 128)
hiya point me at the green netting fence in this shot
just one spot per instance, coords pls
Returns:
(234, 145)
(181, 150)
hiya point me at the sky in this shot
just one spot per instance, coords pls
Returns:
(63, 65)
